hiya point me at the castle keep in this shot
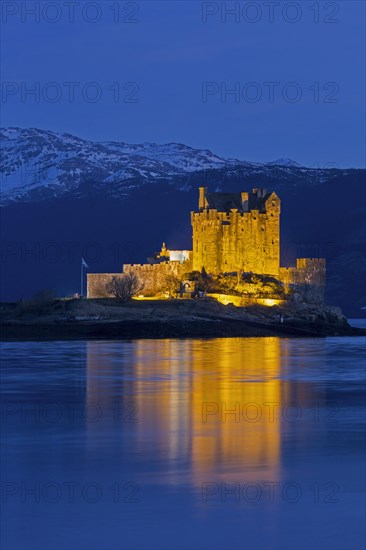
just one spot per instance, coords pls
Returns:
(237, 232)
(231, 233)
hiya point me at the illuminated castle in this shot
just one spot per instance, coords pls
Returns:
(231, 233)
(237, 232)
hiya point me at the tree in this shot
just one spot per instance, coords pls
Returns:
(204, 282)
(124, 286)
(171, 284)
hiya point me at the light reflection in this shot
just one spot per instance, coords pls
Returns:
(247, 374)
(172, 381)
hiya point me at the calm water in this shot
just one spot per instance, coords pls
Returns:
(165, 444)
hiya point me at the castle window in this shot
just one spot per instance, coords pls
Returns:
(273, 203)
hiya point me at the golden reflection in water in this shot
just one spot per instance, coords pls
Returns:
(176, 384)
(248, 438)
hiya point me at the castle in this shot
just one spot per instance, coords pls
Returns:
(231, 233)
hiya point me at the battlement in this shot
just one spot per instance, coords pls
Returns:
(310, 263)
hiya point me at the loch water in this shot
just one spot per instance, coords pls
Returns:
(233, 443)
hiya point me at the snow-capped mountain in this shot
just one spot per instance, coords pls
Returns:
(38, 165)
(284, 162)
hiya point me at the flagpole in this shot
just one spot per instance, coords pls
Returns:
(81, 281)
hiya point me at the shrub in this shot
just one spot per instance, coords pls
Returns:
(42, 302)
(124, 287)
(237, 283)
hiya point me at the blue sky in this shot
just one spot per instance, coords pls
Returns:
(297, 75)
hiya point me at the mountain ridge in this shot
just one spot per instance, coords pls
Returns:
(40, 164)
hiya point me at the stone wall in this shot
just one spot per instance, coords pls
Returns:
(97, 282)
(153, 275)
(237, 241)
(308, 278)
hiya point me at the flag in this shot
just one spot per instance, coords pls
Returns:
(83, 263)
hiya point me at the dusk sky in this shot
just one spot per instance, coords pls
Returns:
(162, 72)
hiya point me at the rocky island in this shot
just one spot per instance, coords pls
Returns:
(107, 318)
(231, 284)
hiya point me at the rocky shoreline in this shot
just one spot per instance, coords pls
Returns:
(108, 319)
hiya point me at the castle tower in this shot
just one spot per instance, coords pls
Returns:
(235, 232)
